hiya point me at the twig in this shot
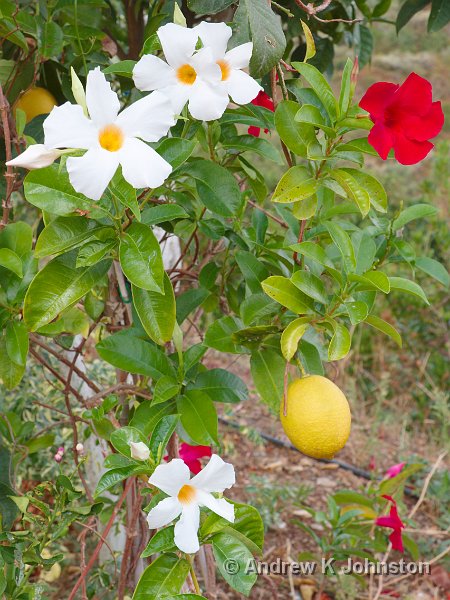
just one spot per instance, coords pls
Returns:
(118, 387)
(426, 483)
(9, 173)
(268, 214)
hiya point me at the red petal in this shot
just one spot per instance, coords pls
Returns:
(426, 127)
(380, 138)
(415, 95)
(387, 521)
(410, 152)
(396, 540)
(188, 452)
(377, 97)
(255, 131)
(195, 466)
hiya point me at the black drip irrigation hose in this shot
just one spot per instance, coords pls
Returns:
(334, 461)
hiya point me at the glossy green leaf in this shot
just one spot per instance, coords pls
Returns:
(123, 68)
(313, 251)
(267, 368)
(320, 85)
(418, 211)
(163, 213)
(295, 185)
(296, 136)
(408, 10)
(219, 335)
(342, 241)
(292, 335)
(410, 287)
(162, 541)
(340, 342)
(164, 577)
(311, 285)
(384, 327)
(221, 386)
(283, 291)
(17, 342)
(433, 268)
(439, 15)
(357, 311)
(65, 233)
(227, 548)
(198, 417)
(10, 372)
(122, 438)
(311, 115)
(355, 191)
(377, 193)
(18, 237)
(147, 415)
(176, 150)
(141, 258)
(208, 6)
(161, 435)
(345, 95)
(188, 301)
(243, 143)
(11, 261)
(156, 311)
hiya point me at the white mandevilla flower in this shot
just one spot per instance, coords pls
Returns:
(186, 496)
(139, 450)
(187, 76)
(234, 82)
(111, 139)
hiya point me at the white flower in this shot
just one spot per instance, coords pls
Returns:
(110, 138)
(186, 76)
(36, 156)
(139, 450)
(186, 496)
(234, 82)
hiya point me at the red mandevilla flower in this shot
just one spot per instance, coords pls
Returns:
(262, 99)
(192, 454)
(394, 470)
(394, 522)
(405, 118)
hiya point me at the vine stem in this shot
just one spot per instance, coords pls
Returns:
(9, 173)
(193, 575)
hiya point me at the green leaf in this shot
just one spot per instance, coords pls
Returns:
(73, 321)
(148, 415)
(17, 342)
(18, 237)
(439, 15)
(357, 311)
(165, 389)
(52, 40)
(58, 286)
(124, 192)
(188, 301)
(353, 188)
(9, 260)
(291, 336)
(122, 438)
(10, 372)
(267, 368)
(418, 211)
(221, 386)
(162, 541)
(161, 435)
(377, 193)
(364, 45)
(295, 185)
(410, 287)
(123, 68)
(313, 251)
(163, 213)
(283, 291)
(65, 233)
(343, 243)
(198, 417)
(112, 478)
(156, 311)
(345, 94)
(296, 136)
(365, 250)
(227, 549)
(141, 258)
(311, 115)
(433, 268)
(252, 269)
(128, 352)
(263, 28)
(93, 251)
(217, 188)
(384, 327)
(320, 85)
(311, 285)
(176, 151)
(164, 577)
(209, 7)
(219, 335)
(260, 146)
(340, 342)
(309, 41)
(372, 280)
(408, 10)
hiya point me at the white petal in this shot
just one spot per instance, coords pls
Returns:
(103, 104)
(186, 536)
(214, 36)
(217, 476)
(149, 118)
(143, 167)
(91, 173)
(240, 56)
(170, 477)
(67, 127)
(35, 157)
(207, 102)
(206, 66)
(163, 513)
(139, 450)
(152, 73)
(178, 43)
(220, 506)
(241, 87)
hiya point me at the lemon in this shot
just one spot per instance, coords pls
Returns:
(35, 101)
(318, 416)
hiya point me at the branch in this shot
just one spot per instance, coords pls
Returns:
(9, 173)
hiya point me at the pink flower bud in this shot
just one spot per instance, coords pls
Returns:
(61, 450)
(58, 457)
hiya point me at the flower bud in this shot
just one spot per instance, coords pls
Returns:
(58, 457)
(139, 451)
(79, 448)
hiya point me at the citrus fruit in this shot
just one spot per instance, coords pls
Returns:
(318, 416)
(35, 101)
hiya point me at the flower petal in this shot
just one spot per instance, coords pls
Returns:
(90, 174)
(152, 73)
(186, 529)
(170, 477)
(396, 540)
(67, 127)
(414, 95)
(206, 67)
(102, 102)
(220, 506)
(163, 513)
(240, 56)
(149, 118)
(178, 43)
(35, 157)
(142, 166)
(254, 131)
(214, 36)
(217, 476)
(381, 138)
(377, 97)
(426, 127)
(206, 102)
(410, 152)
(241, 87)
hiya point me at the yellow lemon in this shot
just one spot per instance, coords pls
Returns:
(318, 416)
(35, 101)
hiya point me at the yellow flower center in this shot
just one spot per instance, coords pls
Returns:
(186, 74)
(111, 138)
(225, 68)
(186, 495)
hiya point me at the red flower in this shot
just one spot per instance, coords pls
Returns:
(394, 470)
(405, 118)
(262, 99)
(394, 522)
(191, 455)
